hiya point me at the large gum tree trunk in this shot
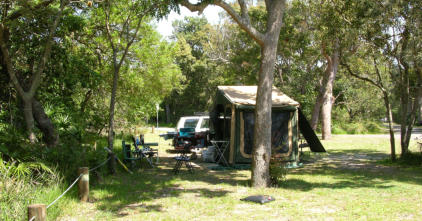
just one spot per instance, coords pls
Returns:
(262, 144)
(317, 108)
(325, 97)
(328, 101)
(29, 119)
(50, 135)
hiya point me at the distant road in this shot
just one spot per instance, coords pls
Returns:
(416, 132)
(164, 129)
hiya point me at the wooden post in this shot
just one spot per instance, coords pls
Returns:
(152, 129)
(83, 184)
(39, 211)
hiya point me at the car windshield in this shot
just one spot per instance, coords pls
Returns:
(191, 123)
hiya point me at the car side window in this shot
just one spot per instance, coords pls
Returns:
(205, 124)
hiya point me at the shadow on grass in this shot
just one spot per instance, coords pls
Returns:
(123, 192)
(352, 169)
(357, 151)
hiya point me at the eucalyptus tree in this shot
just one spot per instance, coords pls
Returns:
(400, 40)
(331, 29)
(151, 77)
(375, 72)
(198, 53)
(389, 58)
(267, 39)
(121, 22)
(26, 70)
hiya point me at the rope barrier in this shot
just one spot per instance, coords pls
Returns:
(102, 164)
(74, 182)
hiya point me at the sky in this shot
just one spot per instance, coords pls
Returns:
(165, 26)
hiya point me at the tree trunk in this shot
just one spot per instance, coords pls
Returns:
(324, 101)
(51, 137)
(327, 97)
(420, 110)
(404, 116)
(168, 119)
(88, 96)
(112, 105)
(262, 143)
(29, 119)
(112, 162)
(390, 125)
(317, 108)
(326, 108)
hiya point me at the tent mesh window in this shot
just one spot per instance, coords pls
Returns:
(279, 131)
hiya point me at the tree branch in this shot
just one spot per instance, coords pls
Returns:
(47, 51)
(8, 62)
(134, 36)
(242, 20)
(107, 24)
(377, 71)
(349, 70)
(22, 11)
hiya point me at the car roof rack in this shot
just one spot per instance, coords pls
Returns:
(201, 113)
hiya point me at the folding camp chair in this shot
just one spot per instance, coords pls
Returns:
(183, 157)
(146, 151)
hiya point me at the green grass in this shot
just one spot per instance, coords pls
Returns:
(330, 188)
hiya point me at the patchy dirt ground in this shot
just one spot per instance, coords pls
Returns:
(351, 161)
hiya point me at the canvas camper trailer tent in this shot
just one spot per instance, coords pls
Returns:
(232, 119)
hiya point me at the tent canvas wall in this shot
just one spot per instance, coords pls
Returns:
(233, 120)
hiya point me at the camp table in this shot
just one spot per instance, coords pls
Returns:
(220, 149)
(147, 152)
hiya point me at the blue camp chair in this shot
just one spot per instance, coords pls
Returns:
(187, 132)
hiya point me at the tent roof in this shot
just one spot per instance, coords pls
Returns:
(246, 95)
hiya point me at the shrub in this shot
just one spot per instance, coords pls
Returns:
(278, 173)
(337, 129)
(374, 127)
(22, 184)
(358, 127)
(409, 159)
